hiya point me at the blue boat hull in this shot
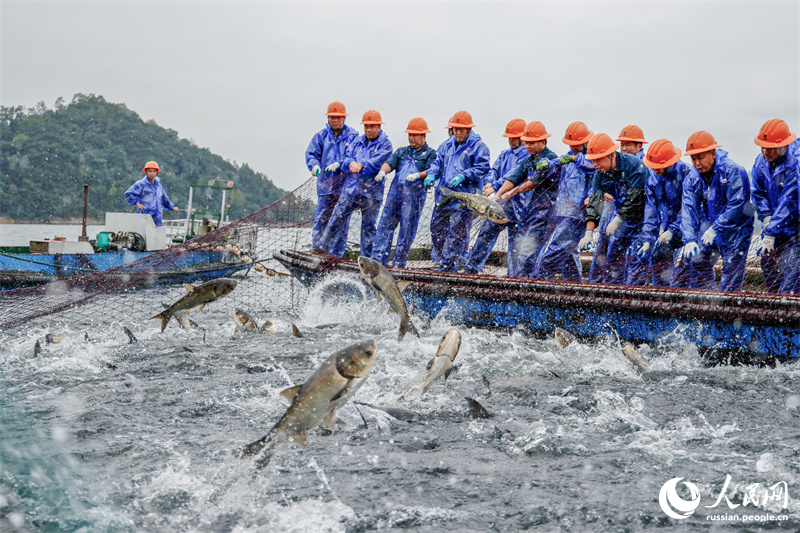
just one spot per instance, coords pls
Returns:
(744, 326)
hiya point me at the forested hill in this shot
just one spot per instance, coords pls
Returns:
(47, 155)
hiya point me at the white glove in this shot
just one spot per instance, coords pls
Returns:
(665, 237)
(641, 253)
(688, 251)
(379, 176)
(767, 245)
(613, 225)
(315, 171)
(708, 237)
(765, 223)
(333, 167)
(413, 177)
(586, 244)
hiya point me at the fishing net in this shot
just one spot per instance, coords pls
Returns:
(244, 250)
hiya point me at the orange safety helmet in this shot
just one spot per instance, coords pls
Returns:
(151, 164)
(462, 119)
(632, 133)
(600, 145)
(417, 125)
(515, 128)
(372, 117)
(661, 154)
(336, 109)
(577, 133)
(700, 141)
(535, 131)
(774, 134)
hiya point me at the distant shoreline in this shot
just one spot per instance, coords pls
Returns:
(89, 221)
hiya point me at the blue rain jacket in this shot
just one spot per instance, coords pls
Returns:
(325, 149)
(507, 161)
(372, 155)
(724, 204)
(470, 159)
(774, 193)
(626, 184)
(662, 208)
(151, 195)
(546, 180)
(574, 187)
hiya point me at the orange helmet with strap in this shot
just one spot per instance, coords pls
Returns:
(417, 125)
(515, 128)
(372, 117)
(700, 141)
(461, 119)
(774, 134)
(151, 164)
(336, 109)
(535, 131)
(577, 133)
(600, 145)
(661, 154)
(632, 133)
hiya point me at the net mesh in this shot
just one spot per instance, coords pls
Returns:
(244, 250)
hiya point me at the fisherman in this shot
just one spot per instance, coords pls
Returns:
(324, 158)
(631, 140)
(661, 233)
(508, 159)
(148, 195)
(406, 196)
(560, 253)
(363, 184)
(716, 214)
(460, 164)
(619, 178)
(536, 173)
(774, 187)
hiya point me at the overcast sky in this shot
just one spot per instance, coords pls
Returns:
(251, 81)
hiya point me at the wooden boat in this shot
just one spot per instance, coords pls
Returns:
(744, 326)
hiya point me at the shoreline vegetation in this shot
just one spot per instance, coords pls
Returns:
(47, 155)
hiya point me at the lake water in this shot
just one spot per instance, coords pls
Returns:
(99, 434)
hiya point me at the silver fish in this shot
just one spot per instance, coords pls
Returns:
(316, 400)
(384, 284)
(440, 365)
(243, 320)
(635, 357)
(197, 297)
(477, 203)
(268, 327)
(563, 337)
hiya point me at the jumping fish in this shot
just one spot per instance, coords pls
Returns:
(635, 357)
(129, 333)
(316, 400)
(197, 297)
(440, 365)
(476, 410)
(404, 415)
(268, 327)
(296, 332)
(477, 203)
(382, 281)
(243, 320)
(563, 337)
(183, 319)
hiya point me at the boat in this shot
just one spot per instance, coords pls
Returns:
(734, 327)
(126, 239)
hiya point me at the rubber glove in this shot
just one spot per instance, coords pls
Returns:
(613, 225)
(665, 237)
(641, 253)
(458, 180)
(315, 171)
(586, 244)
(429, 180)
(543, 164)
(708, 237)
(566, 159)
(333, 167)
(379, 176)
(413, 177)
(767, 245)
